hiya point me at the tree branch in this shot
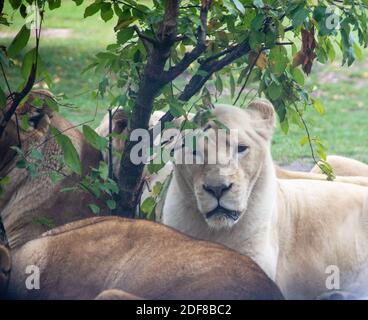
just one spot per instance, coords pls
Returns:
(144, 38)
(201, 46)
(198, 80)
(17, 97)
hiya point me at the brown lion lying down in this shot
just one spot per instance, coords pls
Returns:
(85, 258)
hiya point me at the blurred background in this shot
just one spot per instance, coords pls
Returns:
(69, 43)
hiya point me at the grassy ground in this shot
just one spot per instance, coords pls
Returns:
(342, 90)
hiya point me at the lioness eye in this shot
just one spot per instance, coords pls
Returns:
(242, 148)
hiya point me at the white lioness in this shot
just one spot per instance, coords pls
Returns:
(294, 229)
(346, 170)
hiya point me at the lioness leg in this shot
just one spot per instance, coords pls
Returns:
(115, 294)
(5, 266)
(337, 295)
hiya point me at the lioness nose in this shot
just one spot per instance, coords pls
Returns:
(217, 191)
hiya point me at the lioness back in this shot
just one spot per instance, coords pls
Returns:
(146, 259)
(344, 166)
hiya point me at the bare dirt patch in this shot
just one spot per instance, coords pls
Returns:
(46, 33)
(298, 166)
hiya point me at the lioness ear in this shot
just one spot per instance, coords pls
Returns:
(263, 113)
(263, 109)
(120, 121)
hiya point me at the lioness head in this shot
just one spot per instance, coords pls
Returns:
(16, 135)
(222, 188)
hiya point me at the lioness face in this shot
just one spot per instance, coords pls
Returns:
(222, 189)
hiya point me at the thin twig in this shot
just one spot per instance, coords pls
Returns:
(308, 136)
(144, 37)
(254, 62)
(110, 145)
(284, 43)
(5, 78)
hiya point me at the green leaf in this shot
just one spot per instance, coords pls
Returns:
(103, 170)
(258, 3)
(21, 164)
(78, 2)
(239, 6)
(299, 17)
(4, 181)
(2, 99)
(157, 188)
(92, 9)
(232, 85)
(94, 208)
(218, 84)
(44, 221)
(106, 11)
(15, 3)
(274, 91)
(55, 177)
(71, 156)
(330, 51)
(54, 4)
(19, 42)
(303, 141)
(176, 108)
(285, 126)
(70, 189)
(298, 76)
(155, 167)
(94, 139)
(111, 204)
(36, 154)
(28, 60)
(318, 106)
(148, 205)
(124, 35)
(278, 59)
(358, 51)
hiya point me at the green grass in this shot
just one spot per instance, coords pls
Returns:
(342, 90)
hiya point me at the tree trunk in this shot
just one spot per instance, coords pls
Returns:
(151, 84)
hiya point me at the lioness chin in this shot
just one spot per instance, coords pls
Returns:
(294, 229)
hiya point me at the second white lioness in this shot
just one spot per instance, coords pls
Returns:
(294, 229)
(343, 166)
